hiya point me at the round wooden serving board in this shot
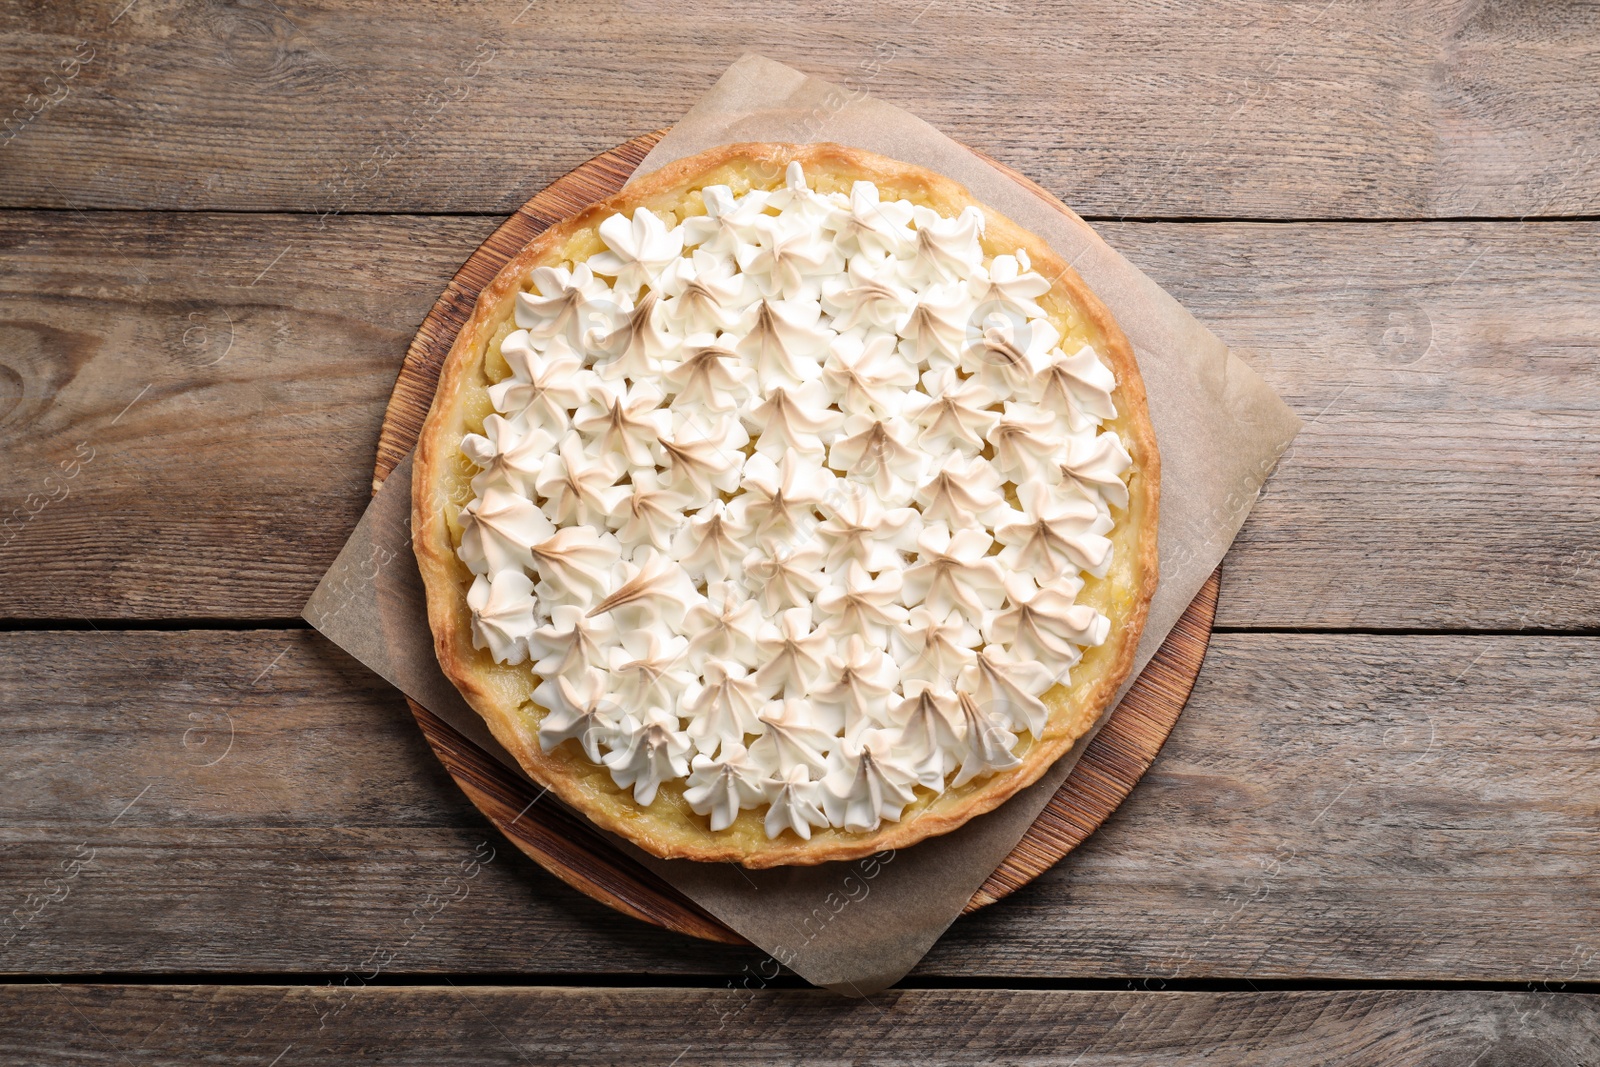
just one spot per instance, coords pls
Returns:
(562, 841)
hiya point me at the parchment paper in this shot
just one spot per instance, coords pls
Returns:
(858, 927)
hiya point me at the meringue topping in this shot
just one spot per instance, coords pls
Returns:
(710, 376)
(558, 305)
(793, 418)
(713, 545)
(966, 492)
(798, 200)
(778, 498)
(1009, 687)
(789, 740)
(502, 615)
(628, 422)
(859, 685)
(724, 624)
(792, 653)
(874, 227)
(790, 502)
(724, 707)
(499, 530)
(704, 460)
(935, 329)
(862, 299)
(954, 412)
(861, 530)
(646, 752)
(1046, 624)
(984, 745)
(795, 803)
(657, 587)
(880, 453)
(571, 642)
(785, 577)
(928, 734)
(866, 374)
(721, 786)
(581, 711)
(868, 785)
(1024, 444)
(577, 563)
(638, 250)
(507, 452)
(578, 486)
(946, 247)
(784, 341)
(645, 670)
(790, 251)
(702, 294)
(862, 605)
(651, 514)
(729, 222)
(1006, 356)
(934, 648)
(954, 571)
(1054, 534)
(543, 388)
(1078, 387)
(1010, 282)
(1096, 466)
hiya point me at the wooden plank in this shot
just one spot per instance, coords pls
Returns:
(191, 403)
(1344, 806)
(92, 1024)
(1398, 108)
(1329, 806)
(1444, 371)
(183, 793)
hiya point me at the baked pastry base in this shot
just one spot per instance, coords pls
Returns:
(503, 694)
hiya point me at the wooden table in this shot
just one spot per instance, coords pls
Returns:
(1373, 836)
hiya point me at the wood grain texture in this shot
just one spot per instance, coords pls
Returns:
(418, 377)
(95, 1024)
(1445, 372)
(1374, 808)
(563, 841)
(1329, 806)
(1350, 108)
(567, 846)
(226, 378)
(260, 801)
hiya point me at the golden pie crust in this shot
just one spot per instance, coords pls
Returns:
(502, 694)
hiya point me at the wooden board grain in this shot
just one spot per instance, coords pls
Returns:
(1317, 109)
(563, 843)
(99, 1024)
(1350, 807)
(1443, 371)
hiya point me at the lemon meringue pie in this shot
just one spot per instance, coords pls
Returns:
(787, 506)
